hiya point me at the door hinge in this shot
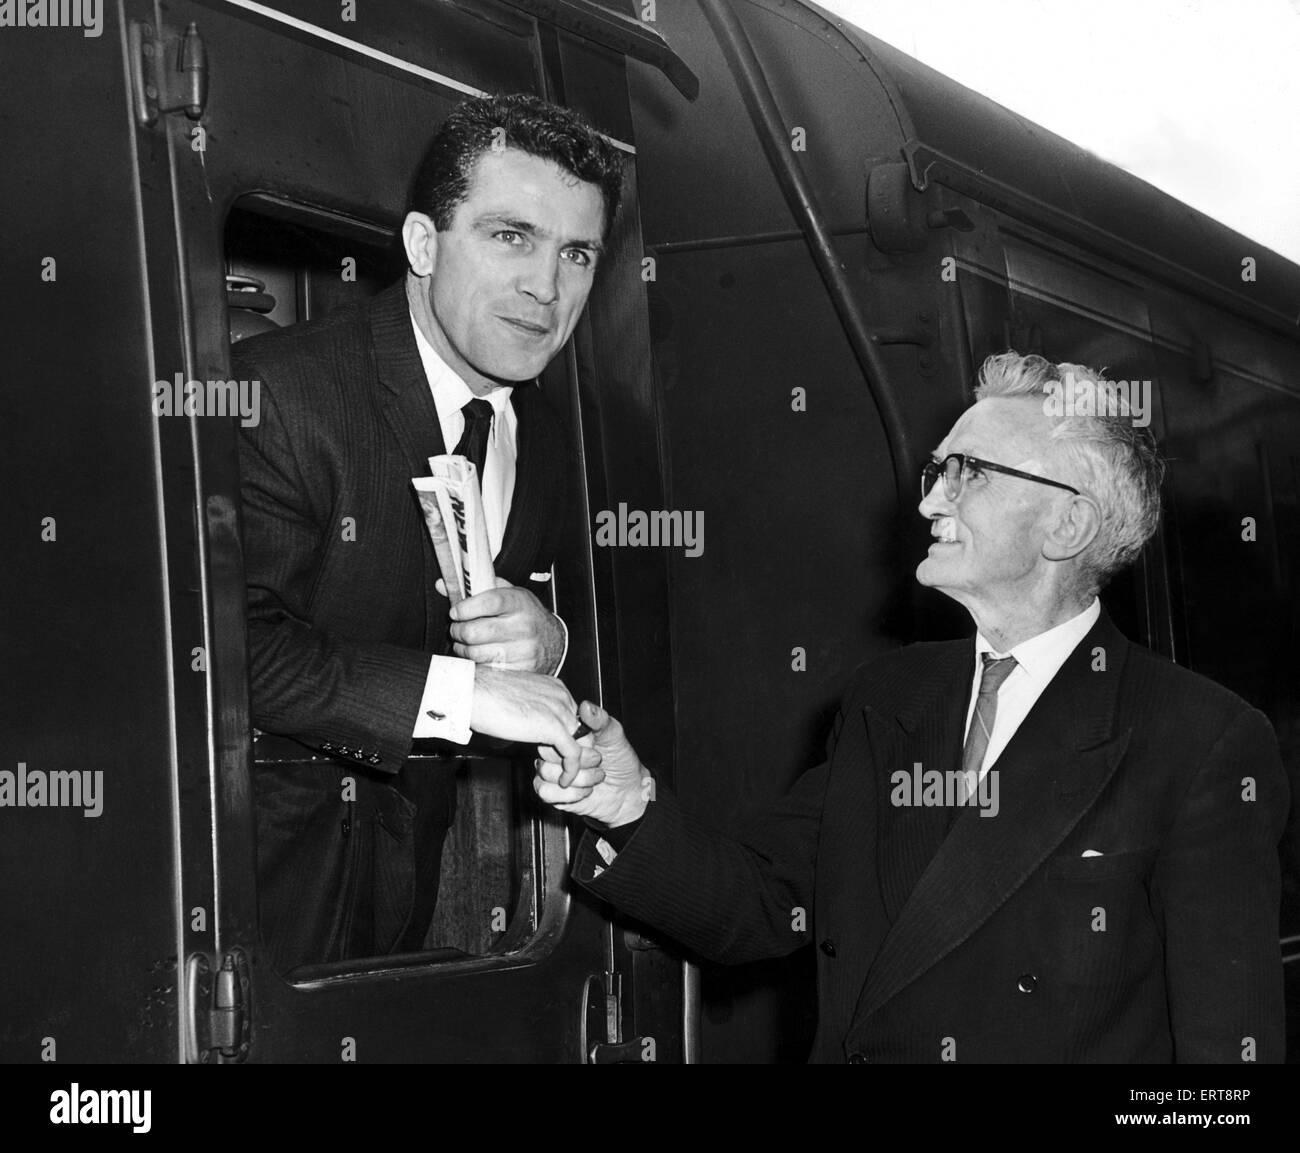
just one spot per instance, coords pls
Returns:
(168, 73)
(602, 1017)
(220, 1017)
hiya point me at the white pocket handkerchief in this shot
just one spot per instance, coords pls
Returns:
(1090, 853)
(539, 576)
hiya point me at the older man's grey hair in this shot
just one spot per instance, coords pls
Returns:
(1112, 459)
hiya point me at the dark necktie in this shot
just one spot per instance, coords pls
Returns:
(981, 724)
(473, 441)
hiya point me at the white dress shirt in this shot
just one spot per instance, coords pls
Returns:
(1038, 660)
(449, 689)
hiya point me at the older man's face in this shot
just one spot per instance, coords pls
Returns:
(512, 272)
(988, 543)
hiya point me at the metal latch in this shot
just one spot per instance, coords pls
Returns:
(602, 1016)
(220, 1023)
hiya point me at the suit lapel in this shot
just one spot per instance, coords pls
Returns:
(926, 732)
(405, 398)
(1049, 775)
(406, 403)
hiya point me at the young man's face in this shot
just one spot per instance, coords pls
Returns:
(509, 277)
(988, 547)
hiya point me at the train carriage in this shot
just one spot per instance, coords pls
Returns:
(821, 241)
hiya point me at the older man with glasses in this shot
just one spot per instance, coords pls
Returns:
(1119, 899)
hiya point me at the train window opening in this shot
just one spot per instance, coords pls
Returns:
(287, 271)
(285, 265)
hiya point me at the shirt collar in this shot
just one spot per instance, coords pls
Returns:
(450, 393)
(1046, 652)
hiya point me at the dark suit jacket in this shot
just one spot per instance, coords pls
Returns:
(343, 613)
(1000, 935)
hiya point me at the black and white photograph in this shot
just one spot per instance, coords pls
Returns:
(724, 532)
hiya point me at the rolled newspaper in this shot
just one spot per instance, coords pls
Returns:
(453, 514)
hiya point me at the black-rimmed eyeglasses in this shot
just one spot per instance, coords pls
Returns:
(957, 466)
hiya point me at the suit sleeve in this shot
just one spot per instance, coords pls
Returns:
(359, 699)
(1216, 888)
(728, 899)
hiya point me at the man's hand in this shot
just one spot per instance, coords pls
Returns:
(506, 627)
(527, 707)
(615, 790)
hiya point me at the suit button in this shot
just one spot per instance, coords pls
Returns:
(1027, 983)
(857, 1059)
(347, 827)
(828, 947)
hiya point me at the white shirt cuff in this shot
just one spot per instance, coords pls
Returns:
(448, 700)
(556, 671)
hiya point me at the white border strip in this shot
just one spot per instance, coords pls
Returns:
(375, 54)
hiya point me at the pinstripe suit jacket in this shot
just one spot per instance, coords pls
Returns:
(999, 940)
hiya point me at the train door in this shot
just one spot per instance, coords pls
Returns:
(285, 192)
(97, 716)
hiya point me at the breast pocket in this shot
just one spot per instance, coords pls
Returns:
(1075, 868)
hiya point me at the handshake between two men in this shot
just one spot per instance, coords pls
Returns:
(596, 774)
(507, 633)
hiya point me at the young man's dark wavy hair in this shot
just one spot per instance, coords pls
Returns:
(531, 125)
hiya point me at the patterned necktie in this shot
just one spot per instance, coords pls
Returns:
(981, 725)
(473, 441)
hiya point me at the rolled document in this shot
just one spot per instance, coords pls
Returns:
(453, 514)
